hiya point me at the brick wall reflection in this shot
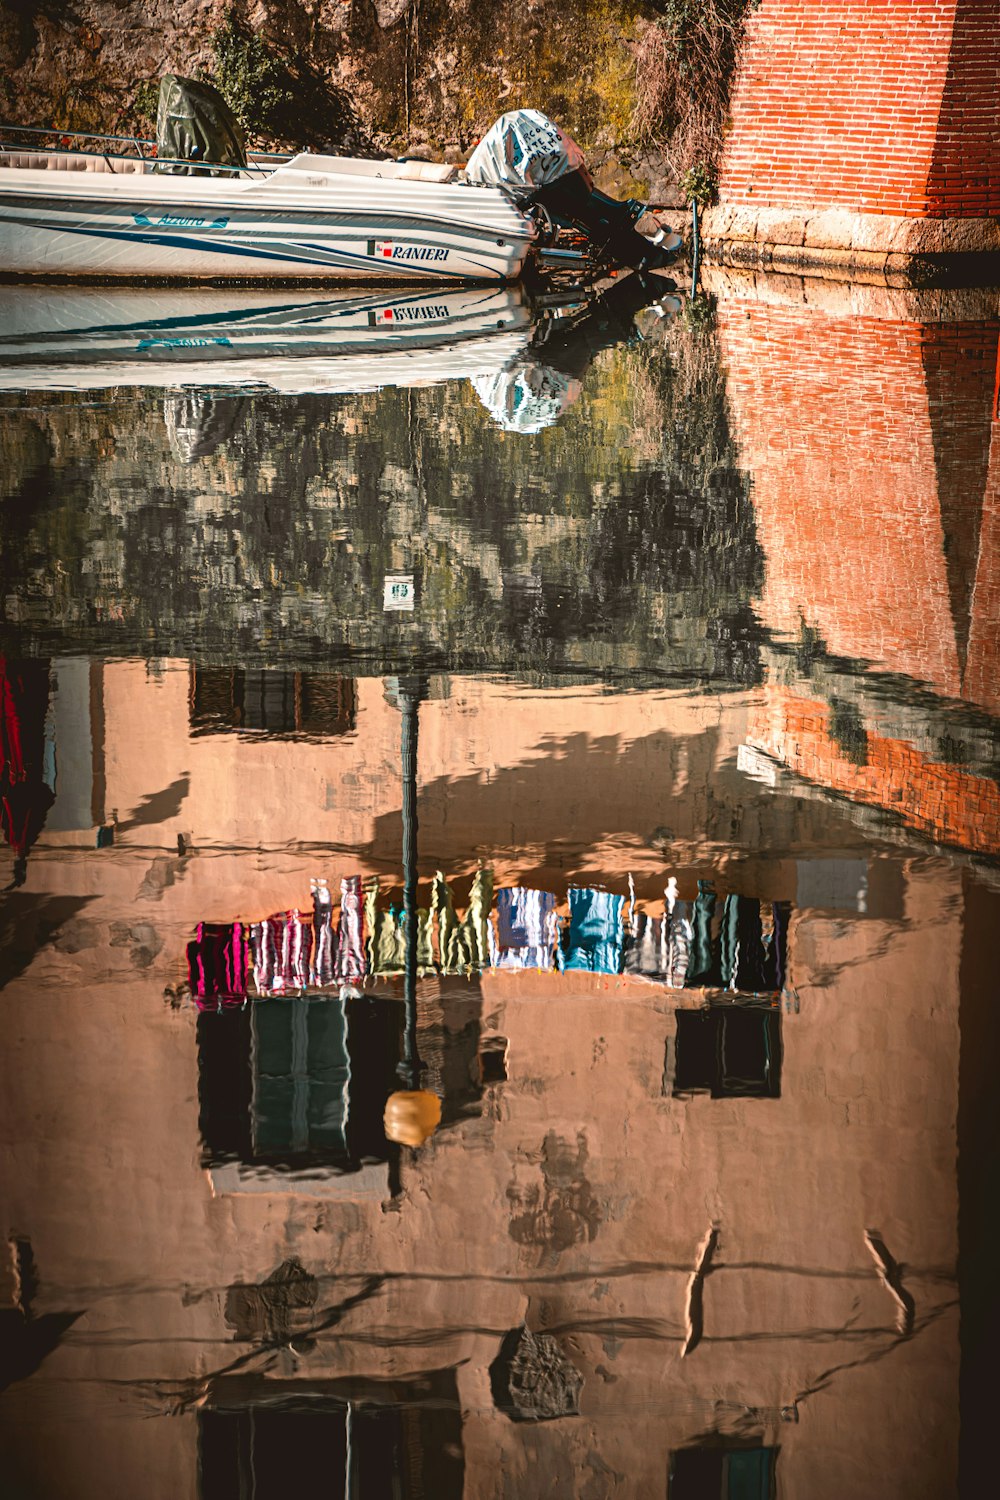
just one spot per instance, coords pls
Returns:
(944, 802)
(868, 421)
(982, 671)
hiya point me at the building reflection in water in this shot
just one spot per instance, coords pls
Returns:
(666, 1240)
(252, 1442)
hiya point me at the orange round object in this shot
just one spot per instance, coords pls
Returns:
(411, 1116)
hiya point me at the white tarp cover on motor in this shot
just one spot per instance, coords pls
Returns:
(524, 149)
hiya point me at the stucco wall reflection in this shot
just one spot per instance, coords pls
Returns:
(578, 1195)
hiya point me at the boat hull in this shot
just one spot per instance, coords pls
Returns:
(291, 226)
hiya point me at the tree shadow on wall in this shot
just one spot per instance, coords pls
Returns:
(25, 1338)
(30, 923)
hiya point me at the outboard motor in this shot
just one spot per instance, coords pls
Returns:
(195, 124)
(530, 155)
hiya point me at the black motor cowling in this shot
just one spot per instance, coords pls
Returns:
(608, 222)
(535, 160)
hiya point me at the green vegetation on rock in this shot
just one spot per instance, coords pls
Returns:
(685, 65)
(251, 77)
(642, 84)
(146, 99)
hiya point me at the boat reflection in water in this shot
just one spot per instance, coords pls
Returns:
(526, 360)
(73, 339)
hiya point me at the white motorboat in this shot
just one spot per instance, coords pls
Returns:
(88, 215)
(115, 213)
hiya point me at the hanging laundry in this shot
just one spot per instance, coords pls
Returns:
(645, 950)
(281, 947)
(321, 969)
(262, 948)
(729, 941)
(351, 962)
(704, 967)
(594, 939)
(385, 945)
(464, 944)
(217, 963)
(296, 950)
(679, 938)
(676, 935)
(385, 939)
(527, 929)
(775, 946)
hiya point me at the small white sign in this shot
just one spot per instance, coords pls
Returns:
(399, 591)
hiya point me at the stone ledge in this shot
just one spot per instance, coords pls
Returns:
(836, 242)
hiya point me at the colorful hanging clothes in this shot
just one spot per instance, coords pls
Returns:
(527, 929)
(704, 960)
(594, 938)
(289, 952)
(385, 940)
(281, 947)
(217, 964)
(464, 943)
(351, 961)
(679, 938)
(321, 968)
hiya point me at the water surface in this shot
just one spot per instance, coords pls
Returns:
(647, 602)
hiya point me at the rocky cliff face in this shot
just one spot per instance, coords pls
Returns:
(410, 74)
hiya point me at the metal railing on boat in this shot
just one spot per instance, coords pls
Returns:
(254, 162)
(79, 135)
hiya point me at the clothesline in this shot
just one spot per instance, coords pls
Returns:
(740, 945)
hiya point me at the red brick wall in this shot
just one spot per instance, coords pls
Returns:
(945, 803)
(867, 440)
(881, 106)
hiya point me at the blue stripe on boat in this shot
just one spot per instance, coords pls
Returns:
(217, 247)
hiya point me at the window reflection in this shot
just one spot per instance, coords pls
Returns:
(722, 1474)
(729, 1051)
(272, 701)
(404, 1446)
(298, 1082)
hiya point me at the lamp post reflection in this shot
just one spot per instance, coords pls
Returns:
(412, 1114)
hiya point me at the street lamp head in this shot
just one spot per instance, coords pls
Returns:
(411, 1116)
